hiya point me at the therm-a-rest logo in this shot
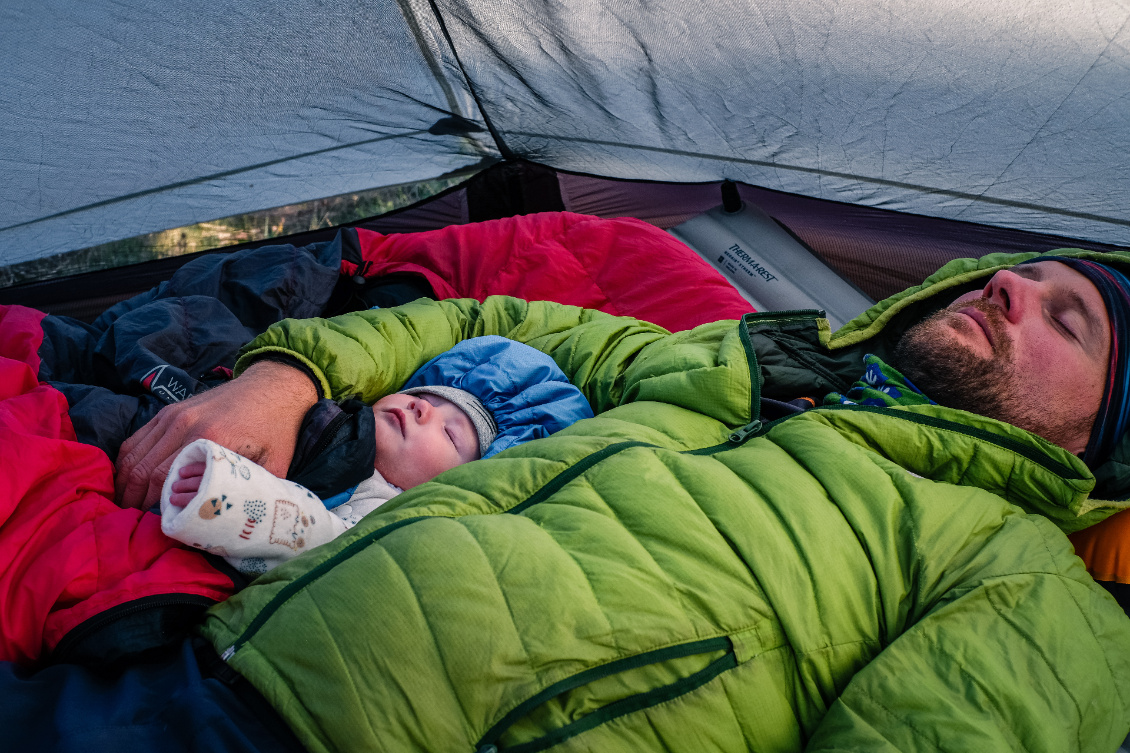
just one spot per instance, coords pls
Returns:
(748, 264)
(165, 386)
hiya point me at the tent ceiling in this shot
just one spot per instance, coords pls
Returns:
(124, 118)
(120, 118)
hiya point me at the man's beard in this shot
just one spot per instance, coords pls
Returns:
(944, 368)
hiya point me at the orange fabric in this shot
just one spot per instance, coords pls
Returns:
(1105, 548)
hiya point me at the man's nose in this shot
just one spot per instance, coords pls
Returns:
(1012, 293)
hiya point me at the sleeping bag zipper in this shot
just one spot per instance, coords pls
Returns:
(159, 605)
(755, 426)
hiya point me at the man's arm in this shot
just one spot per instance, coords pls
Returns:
(257, 415)
(611, 359)
(369, 354)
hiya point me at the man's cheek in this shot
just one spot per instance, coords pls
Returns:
(972, 295)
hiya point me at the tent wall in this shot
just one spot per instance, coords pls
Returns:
(1012, 113)
(122, 118)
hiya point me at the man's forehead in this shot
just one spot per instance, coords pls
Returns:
(1059, 273)
(1051, 268)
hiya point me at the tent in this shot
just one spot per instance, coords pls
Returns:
(888, 136)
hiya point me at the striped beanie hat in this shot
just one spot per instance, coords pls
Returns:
(1114, 411)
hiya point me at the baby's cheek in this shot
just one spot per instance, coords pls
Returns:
(437, 464)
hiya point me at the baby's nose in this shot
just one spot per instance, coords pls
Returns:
(422, 409)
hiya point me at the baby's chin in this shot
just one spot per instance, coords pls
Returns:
(399, 479)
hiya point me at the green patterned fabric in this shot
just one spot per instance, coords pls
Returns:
(675, 575)
(881, 385)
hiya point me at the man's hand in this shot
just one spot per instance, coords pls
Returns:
(257, 415)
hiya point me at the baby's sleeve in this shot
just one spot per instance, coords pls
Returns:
(243, 513)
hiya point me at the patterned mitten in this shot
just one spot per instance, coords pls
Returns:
(243, 513)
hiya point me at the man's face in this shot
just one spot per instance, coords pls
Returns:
(421, 436)
(1032, 348)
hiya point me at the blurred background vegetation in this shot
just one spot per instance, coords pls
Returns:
(268, 223)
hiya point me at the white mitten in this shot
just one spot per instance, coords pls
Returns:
(243, 513)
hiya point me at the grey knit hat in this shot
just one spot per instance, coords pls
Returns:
(481, 418)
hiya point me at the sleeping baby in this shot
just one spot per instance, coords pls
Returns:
(351, 458)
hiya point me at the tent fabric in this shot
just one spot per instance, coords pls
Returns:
(122, 119)
(125, 118)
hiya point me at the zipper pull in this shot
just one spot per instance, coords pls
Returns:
(745, 432)
(487, 749)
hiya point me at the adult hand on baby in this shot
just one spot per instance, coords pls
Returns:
(257, 415)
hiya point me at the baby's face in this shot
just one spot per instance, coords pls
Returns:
(421, 436)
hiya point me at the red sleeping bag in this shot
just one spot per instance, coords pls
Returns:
(623, 266)
(67, 552)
